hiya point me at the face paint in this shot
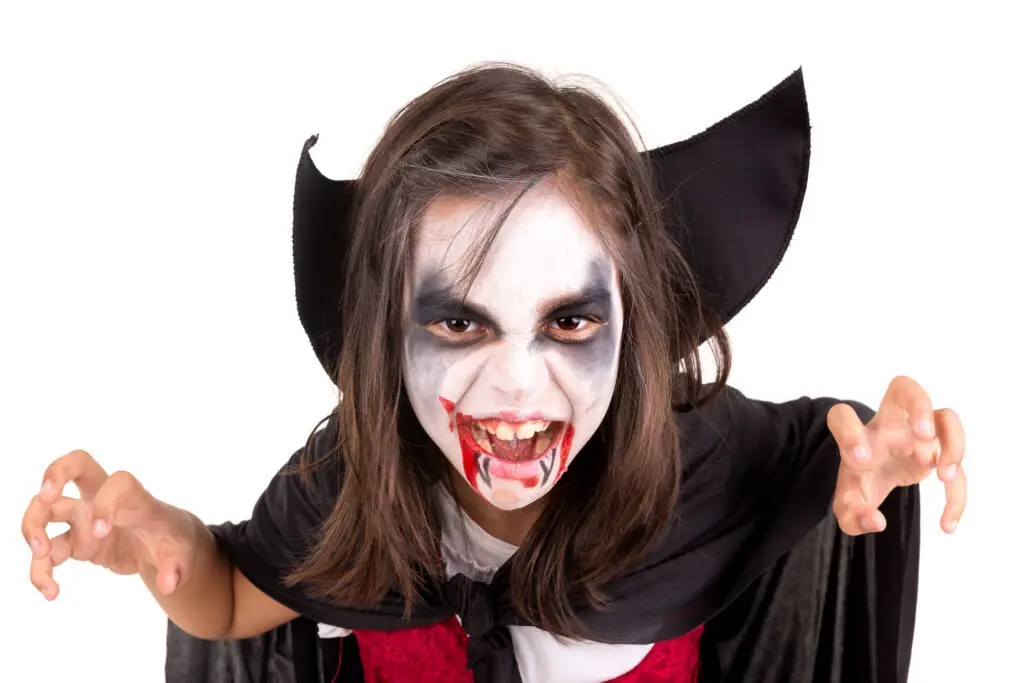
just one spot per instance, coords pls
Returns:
(512, 382)
(518, 447)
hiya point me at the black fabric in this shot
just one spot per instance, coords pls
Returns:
(731, 197)
(286, 654)
(835, 609)
(341, 660)
(755, 506)
(733, 194)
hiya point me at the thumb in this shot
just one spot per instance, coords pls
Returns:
(853, 511)
(168, 578)
(856, 519)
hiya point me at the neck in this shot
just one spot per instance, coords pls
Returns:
(511, 526)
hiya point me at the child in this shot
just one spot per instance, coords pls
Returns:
(527, 477)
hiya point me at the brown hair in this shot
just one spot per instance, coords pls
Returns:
(502, 128)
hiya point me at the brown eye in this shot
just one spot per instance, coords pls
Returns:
(573, 329)
(457, 329)
(570, 324)
(457, 326)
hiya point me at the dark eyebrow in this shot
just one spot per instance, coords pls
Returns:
(440, 303)
(594, 298)
(435, 299)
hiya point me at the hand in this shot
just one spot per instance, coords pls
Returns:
(116, 524)
(900, 446)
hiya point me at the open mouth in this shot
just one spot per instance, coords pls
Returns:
(525, 451)
(529, 451)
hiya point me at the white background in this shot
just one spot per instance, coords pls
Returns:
(146, 300)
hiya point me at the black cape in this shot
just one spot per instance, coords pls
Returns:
(754, 554)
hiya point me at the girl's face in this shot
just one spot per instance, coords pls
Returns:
(512, 383)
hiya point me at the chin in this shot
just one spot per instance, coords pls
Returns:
(512, 496)
(510, 459)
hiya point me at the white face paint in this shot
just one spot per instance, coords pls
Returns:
(512, 384)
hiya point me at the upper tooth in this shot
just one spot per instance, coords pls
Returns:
(504, 431)
(507, 430)
(528, 429)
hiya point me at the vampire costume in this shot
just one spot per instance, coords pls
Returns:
(754, 581)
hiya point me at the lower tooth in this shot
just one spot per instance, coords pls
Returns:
(542, 444)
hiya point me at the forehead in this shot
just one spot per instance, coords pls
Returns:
(545, 248)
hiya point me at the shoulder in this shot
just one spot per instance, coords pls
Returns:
(286, 518)
(741, 455)
(315, 471)
(733, 425)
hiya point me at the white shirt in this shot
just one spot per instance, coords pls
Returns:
(472, 552)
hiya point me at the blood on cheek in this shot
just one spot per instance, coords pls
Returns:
(465, 442)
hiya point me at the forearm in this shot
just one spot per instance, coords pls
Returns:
(202, 605)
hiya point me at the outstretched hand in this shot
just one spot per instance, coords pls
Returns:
(905, 441)
(115, 523)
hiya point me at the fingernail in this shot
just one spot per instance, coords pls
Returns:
(868, 523)
(860, 454)
(47, 485)
(926, 428)
(35, 544)
(949, 472)
(951, 527)
(99, 527)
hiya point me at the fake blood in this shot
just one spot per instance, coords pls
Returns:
(563, 450)
(469, 446)
(465, 441)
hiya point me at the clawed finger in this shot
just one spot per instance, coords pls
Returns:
(952, 443)
(956, 501)
(60, 548)
(78, 467)
(909, 396)
(118, 492)
(40, 513)
(41, 568)
(858, 519)
(850, 434)
(41, 575)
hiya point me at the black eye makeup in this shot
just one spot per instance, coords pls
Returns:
(568, 319)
